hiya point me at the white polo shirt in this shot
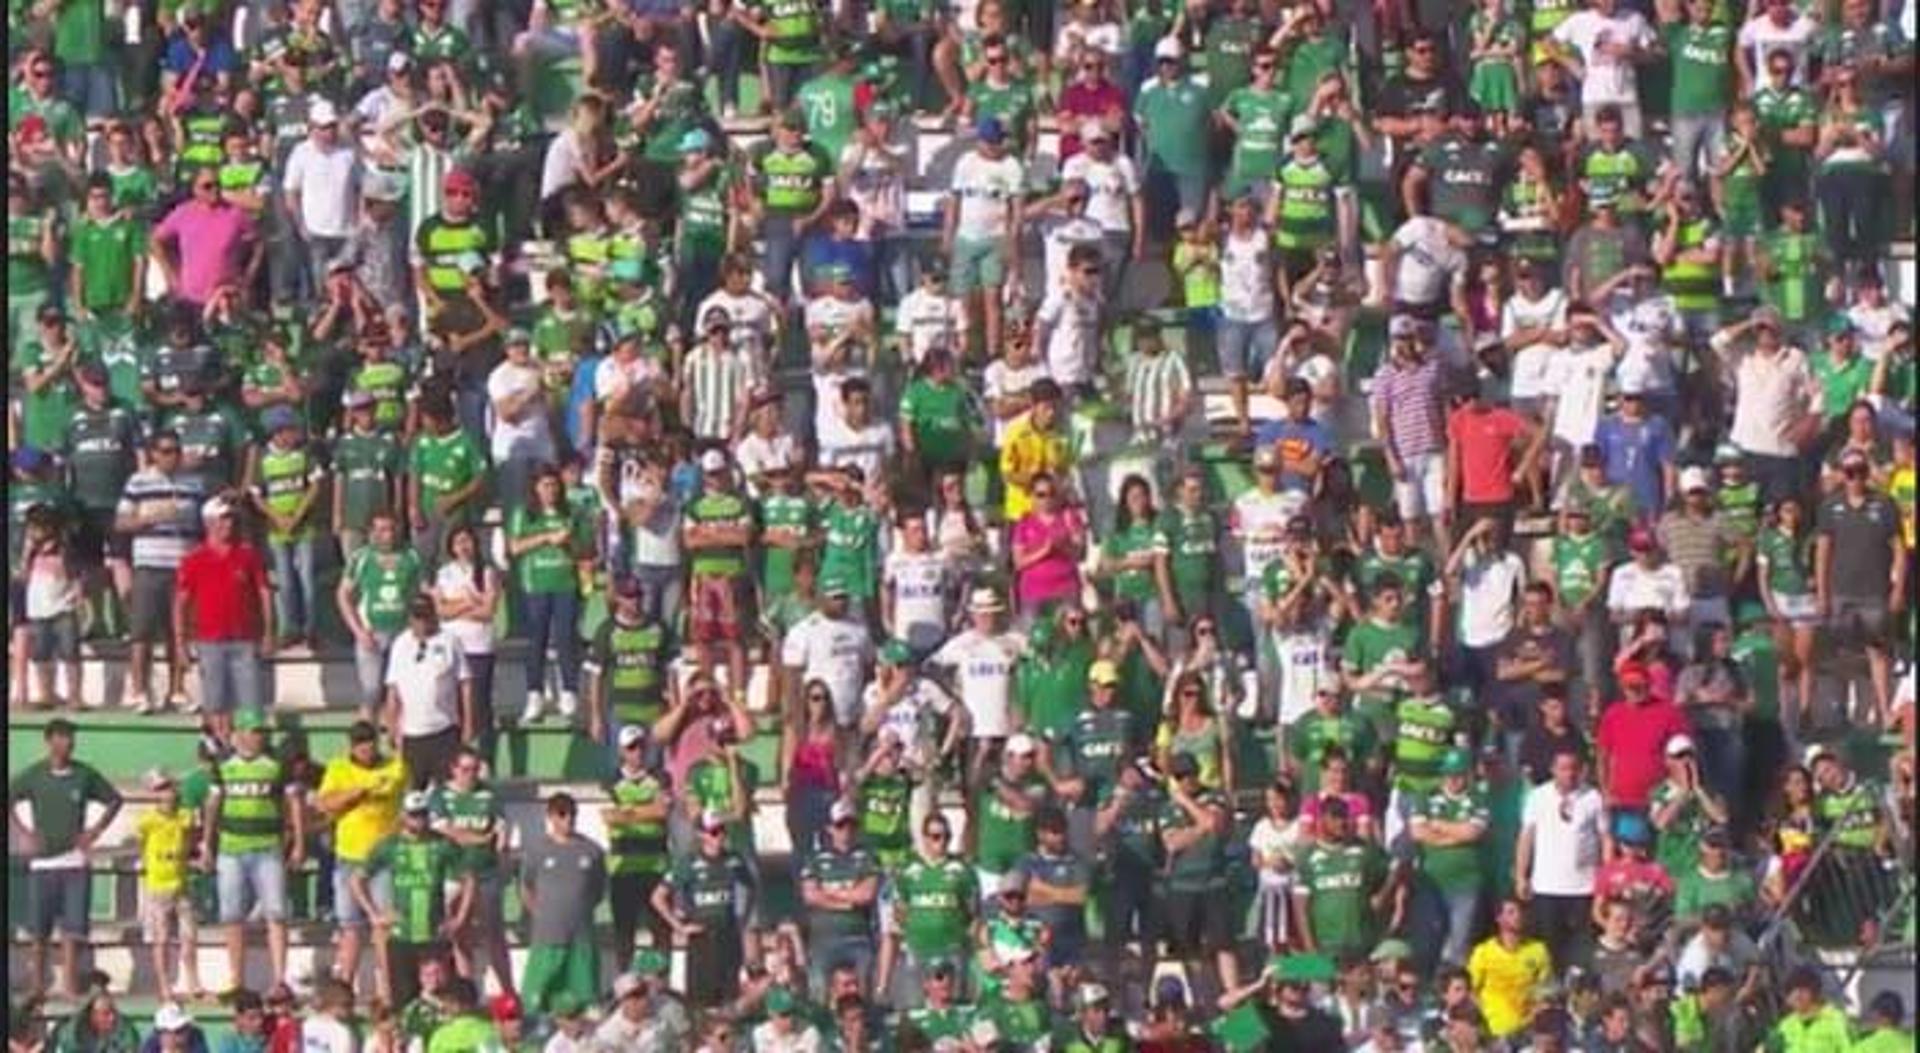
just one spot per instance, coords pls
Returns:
(426, 673)
(1566, 839)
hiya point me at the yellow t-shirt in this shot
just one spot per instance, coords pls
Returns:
(1504, 981)
(1025, 451)
(378, 814)
(164, 848)
(1900, 487)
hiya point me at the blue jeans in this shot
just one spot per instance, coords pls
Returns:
(660, 592)
(553, 620)
(90, 88)
(1245, 346)
(782, 234)
(726, 58)
(263, 874)
(1443, 923)
(825, 954)
(296, 592)
(230, 675)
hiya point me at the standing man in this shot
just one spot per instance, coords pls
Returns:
(981, 225)
(259, 817)
(429, 710)
(322, 190)
(1409, 420)
(839, 885)
(56, 791)
(1449, 828)
(224, 593)
(1774, 400)
(360, 792)
(562, 877)
(160, 511)
(1860, 572)
(423, 865)
(1558, 857)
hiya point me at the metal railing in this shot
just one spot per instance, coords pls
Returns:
(1843, 899)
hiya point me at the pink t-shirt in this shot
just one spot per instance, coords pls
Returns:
(1358, 807)
(210, 243)
(1055, 577)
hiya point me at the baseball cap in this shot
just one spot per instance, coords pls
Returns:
(1455, 762)
(632, 733)
(1632, 671)
(833, 586)
(626, 984)
(1404, 327)
(713, 461)
(716, 317)
(842, 811)
(415, 802)
(399, 62)
(157, 779)
(1103, 673)
(1094, 130)
(1840, 325)
(322, 113)
(1694, 477)
(695, 141)
(1266, 457)
(379, 186)
(1091, 994)
(896, 652)
(1717, 837)
(506, 1006)
(1816, 753)
(171, 1017)
(1640, 539)
(650, 961)
(1679, 745)
(249, 719)
(363, 731)
(1302, 127)
(779, 1001)
(1767, 316)
(712, 820)
(985, 599)
(1728, 453)
(517, 335)
(1632, 828)
(990, 130)
(460, 179)
(1852, 457)
(280, 417)
(1022, 743)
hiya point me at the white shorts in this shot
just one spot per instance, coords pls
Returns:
(1423, 493)
(163, 914)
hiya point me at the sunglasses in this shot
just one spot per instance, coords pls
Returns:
(208, 185)
(996, 60)
(1262, 67)
(40, 72)
(1093, 271)
(938, 835)
(460, 193)
(1042, 494)
(1422, 49)
(166, 449)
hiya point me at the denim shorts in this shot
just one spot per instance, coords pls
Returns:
(259, 875)
(230, 676)
(1245, 346)
(346, 909)
(59, 899)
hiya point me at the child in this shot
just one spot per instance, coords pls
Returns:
(53, 597)
(1498, 41)
(167, 838)
(1735, 185)
(1196, 262)
(562, 330)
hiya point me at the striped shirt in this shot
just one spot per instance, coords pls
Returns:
(719, 380)
(427, 168)
(1411, 400)
(162, 545)
(1155, 383)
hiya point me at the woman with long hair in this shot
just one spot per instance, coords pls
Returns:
(1784, 556)
(1047, 544)
(1793, 831)
(956, 529)
(1134, 558)
(542, 537)
(809, 755)
(466, 596)
(1278, 841)
(1852, 183)
(1193, 725)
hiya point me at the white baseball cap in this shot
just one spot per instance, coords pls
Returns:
(1168, 48)
(713, 461)
(1693, 478)
(985, 599)
(842, 811)
(1679, 744)
(416, 801)
(170, 1017)
(1021, 743)
(322, 112)
(631, 734)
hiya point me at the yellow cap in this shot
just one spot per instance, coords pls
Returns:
(1103, 672)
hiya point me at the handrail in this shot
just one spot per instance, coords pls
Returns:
(1782, 914)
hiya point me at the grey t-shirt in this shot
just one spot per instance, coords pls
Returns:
(1862, 558)
(568, 877)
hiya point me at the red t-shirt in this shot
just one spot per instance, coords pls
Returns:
(224, 587)
(1080, 101)
(1486, 452)
(1627, 879)
(1634, 739)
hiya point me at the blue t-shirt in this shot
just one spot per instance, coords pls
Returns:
(1298, 440)
(579, 394)
(1635, 454)
(856, 256)
(221, 58)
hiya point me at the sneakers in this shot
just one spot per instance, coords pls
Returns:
(536, 708)
(140, 704)
(569, 704)
(185, 703)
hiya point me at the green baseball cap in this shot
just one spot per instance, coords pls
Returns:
(896, 652)
(249, 719)
(779, 1001)
(649, 961)
(565, 1004)
(1302, 968)
(1455, 762)
(834, 585)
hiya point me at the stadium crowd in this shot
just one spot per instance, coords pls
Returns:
(1109, 526)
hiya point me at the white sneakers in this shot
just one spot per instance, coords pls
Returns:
(536, 708)
(569, 704)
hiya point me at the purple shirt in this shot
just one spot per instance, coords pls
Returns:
(211, 242)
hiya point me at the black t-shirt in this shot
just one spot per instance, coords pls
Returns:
(1861, 535)
(1514, 700)
(1408, 96)
(1539, 746)
(1316, 1032)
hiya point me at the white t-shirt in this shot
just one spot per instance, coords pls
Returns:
(1001, 381)
(869, 446)
(612, 378)
(1634, 588)
(531, 431)
(1490, 589)
(1111, 185)
(1577, 380)
(927, 318)
(756, 453)
(835, 651)
(456, 580)
(983, 670)
(1761, 37)
(1104, 37)
(1305, 661)
(1428, 261)
(324, 1034)
(920, 583)
(835, 316)
(1059, 235)
(908, 719)
(1246, 276)
(986, 190)
(1649, 328)
(1606, 79)
(427, 674)
(1259, 520)
(1533, 364)
(1073, 336)
(751, 324)
(328, 182)
(1566, 839)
